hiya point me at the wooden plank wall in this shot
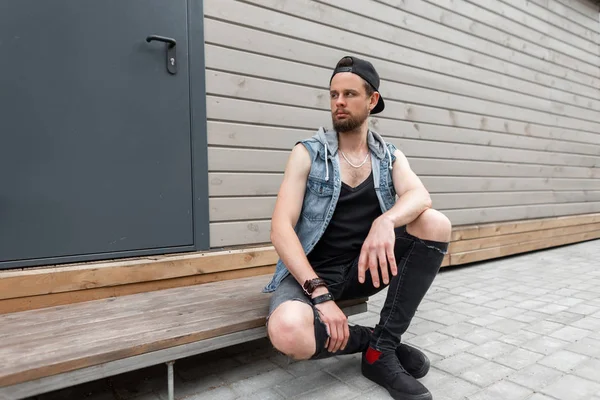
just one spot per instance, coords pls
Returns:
(496, 103)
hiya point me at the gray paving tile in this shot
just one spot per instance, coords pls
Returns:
(459, 363)
(589, 286)
(535, 376)
(585, 295)
(569, 301)
(549, 298)
(551, 308)
(589, 323)
(529, 317)
(443, 316)
(586, 346)
(563, 360)
(539, 396)
(248, 386)
(545, 345)
(507, 325)
(449, 347)
(428, 339)
(584, 309)
(303, 368)
(479, 300)
(570, 333)
(508, 312)
(565, 292)
(564, 317)
(265, 394)
(544, 327)
(500, 296)
(458, 330)
(571, 387)
(240, 372)
(425, 327)
(473, 293)
(472, 310)
(481, 335)
(337, 390)
(485, 320)
(221, 393)
(499, 303)
(519, 359)
(589, 370)
(595, 335)
(486, 374)
(501, 391)
(479, 285)
(519, 337)
(452, 299)
(305, 384)
(491, 350)
(519, 297)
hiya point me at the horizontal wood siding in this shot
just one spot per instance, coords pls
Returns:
(496, 103)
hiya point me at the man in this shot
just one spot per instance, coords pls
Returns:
(340, 233)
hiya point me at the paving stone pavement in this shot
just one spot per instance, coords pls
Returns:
(523, 327)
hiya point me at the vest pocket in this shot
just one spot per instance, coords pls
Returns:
(319, 187)
(317, 199)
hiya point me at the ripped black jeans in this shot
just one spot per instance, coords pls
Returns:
(418, 263)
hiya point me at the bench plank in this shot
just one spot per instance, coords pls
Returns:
(128, 306)
(67, 379)
(110, 329)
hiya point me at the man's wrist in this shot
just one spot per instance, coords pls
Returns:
(388, 218)
(322, 298)
(319, 291)
(310, 285)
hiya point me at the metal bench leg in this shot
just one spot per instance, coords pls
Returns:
(170, 380)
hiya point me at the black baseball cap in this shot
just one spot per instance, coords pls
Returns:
(365, 70)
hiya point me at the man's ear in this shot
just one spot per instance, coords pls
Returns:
(374, 100)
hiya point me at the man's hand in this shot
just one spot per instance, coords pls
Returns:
(336, 323)
(378, 251)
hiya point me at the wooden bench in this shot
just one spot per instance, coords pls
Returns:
(52, 348)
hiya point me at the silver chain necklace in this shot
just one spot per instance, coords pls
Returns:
(355, 166)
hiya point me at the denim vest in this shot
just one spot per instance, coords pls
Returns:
(324, 185)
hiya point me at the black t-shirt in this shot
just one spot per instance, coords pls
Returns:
(355, 211)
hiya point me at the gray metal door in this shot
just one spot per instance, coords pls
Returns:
(95, 150)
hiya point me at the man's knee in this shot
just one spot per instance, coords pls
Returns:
(431, 225)
(291, 329)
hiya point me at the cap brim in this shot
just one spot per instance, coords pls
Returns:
(379, 107)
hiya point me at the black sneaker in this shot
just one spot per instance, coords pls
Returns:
(389, 373)
(414, 361)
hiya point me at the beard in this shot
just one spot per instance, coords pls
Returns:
(350, 123)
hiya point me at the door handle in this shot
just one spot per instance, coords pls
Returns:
(171, 51)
